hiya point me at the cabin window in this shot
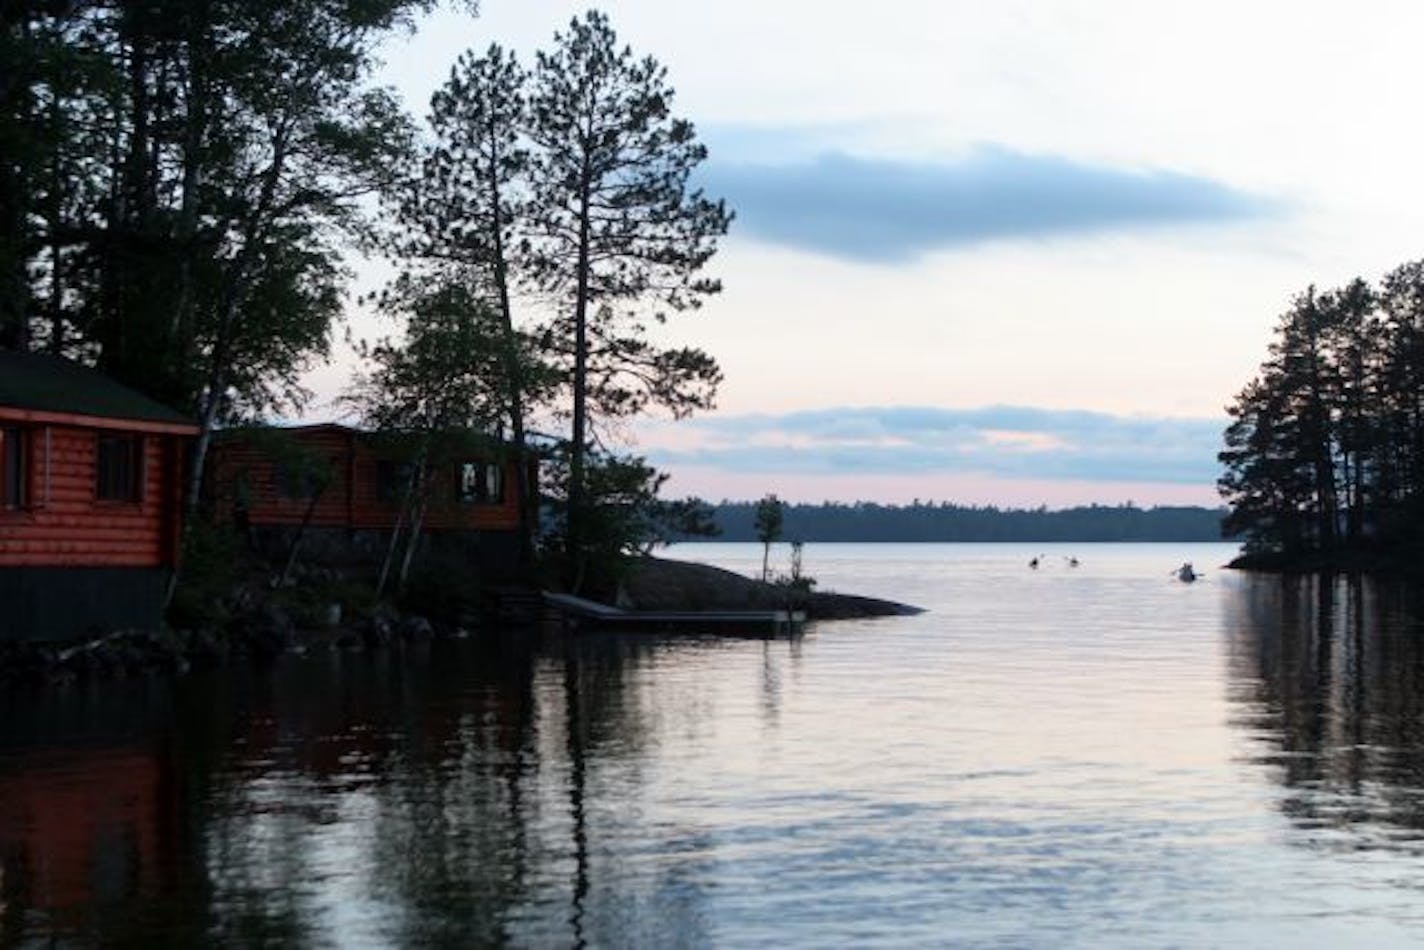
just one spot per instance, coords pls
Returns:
(480, 483)
(119, 468)
(393, 480)
(14, 467)
(297, 481)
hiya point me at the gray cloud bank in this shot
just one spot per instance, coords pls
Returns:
(1000, 441)
(890, 211)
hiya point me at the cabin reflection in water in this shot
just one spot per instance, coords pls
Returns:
(1327, 677)
(461, 771)
(107, 837)
(82, 830)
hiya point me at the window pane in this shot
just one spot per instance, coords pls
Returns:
(494, 483)
(393, 480)
(479, 483)
(13, 467)
(118, 468)
(472, 481)
(296, 480)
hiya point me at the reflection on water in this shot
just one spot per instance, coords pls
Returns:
(1328, 673)
(439, 797)
(1098, 756)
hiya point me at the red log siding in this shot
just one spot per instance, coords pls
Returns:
(236, 460)
(65, 525)
(350, 499)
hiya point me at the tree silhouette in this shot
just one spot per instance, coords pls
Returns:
(618, 237)
(1324, 456)
(768, 527)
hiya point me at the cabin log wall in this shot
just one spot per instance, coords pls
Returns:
(350, 499)
(64, 524)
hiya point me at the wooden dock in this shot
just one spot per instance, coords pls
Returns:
(589, 613)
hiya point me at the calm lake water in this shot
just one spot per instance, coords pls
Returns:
(1083, 756)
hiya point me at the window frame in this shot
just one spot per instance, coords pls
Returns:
(119, 468)
(296, 480)
(392, 481)
(16, 467)
(488, 485)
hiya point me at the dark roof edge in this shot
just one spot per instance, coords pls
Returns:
(50, 384)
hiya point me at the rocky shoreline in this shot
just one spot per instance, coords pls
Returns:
(661, 584)
(1393, 562)
(256, 621)
(265, 633)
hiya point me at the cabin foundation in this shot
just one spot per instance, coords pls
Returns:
(75, 603)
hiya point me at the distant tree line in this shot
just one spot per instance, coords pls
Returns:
(1324, 456)
(928, 521)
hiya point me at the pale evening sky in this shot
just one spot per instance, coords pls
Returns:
(1014, 252)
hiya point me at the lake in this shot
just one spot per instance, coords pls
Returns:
(1092, 756)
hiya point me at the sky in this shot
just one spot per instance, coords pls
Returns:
(1012, 253)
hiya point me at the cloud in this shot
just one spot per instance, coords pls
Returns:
(891, 210)
(1000, 441)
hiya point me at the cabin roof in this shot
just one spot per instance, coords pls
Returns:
(50, 384)
(468, 437)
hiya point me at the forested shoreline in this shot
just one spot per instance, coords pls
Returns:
(947, 522)
(1324, 457)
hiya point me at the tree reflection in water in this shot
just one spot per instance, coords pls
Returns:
(471, 796)
(1327, 677)
(605, 790)
(610, 719)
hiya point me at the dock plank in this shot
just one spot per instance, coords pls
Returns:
(604, 615)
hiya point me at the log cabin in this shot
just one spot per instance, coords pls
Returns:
(90, 500)
(340, 490)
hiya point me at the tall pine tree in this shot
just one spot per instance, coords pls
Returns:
(618, 237)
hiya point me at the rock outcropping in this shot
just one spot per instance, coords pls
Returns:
(661, 584)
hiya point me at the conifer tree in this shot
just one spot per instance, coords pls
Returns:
(618, 237)
(457, 219)
(1325, 451)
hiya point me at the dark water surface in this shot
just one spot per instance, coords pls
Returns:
(1070, 756)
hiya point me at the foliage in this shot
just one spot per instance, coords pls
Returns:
(616, 237)
(560, 200)
(793, 580)
(434, 394)
(184, 173)
(211, 553)
(768, 527)
(1325, 450)
(454, 226)
(947, 522)
(769, 519)
(455, 217)
(625, 517)
(446, 374)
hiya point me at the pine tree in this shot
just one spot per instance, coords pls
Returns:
(457, 219)
(618, 236)
(1325, 451)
